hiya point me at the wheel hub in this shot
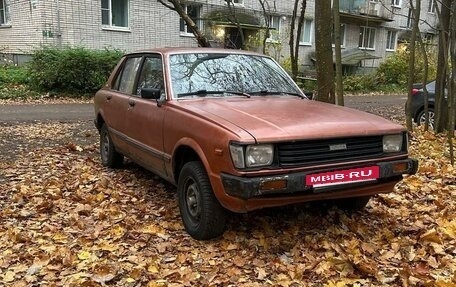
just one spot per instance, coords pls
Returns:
(192, 200)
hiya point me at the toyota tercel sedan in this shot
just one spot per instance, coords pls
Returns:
(234, 133)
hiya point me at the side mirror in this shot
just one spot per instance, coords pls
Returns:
(150, 93)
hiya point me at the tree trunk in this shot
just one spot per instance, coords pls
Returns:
(176, 6)
(337, 50)
(452, 88)
(298, 37)
(323, 55)
(408, 110)
(442, 60)
(267, 21)
(293, 60)
(425, 79)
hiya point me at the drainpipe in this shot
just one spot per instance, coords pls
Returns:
(59, 30)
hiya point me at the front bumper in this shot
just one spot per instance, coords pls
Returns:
(294, 183)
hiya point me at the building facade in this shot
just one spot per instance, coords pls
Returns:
(371, 29)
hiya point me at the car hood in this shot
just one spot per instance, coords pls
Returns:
(289, 118)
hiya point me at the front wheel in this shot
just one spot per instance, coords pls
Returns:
(202, 215)
(421, 118)
(109, 156)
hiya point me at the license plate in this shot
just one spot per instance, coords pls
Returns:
(343, 176)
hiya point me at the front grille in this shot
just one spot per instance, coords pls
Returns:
(304, 153)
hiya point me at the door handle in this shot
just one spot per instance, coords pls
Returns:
(108, 97)
(131, 103)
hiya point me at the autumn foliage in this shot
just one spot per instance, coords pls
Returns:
(67, 221)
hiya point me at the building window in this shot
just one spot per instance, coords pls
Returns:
(306, 34)
(236, 2)
(431, 7)
(3, 13)
(274, 28)
(114, 13)
(396, 3)
(428, 38)
(367, 38)
(194, 12)
(342, 35)
(391, 37)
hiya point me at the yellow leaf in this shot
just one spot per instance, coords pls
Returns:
(117, 231)
(130, 280)
(431, 236)
(152, 268)
(84, 255)
(9, 276)
(441, 283)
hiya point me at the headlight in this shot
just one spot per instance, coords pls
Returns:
(252, 155)
(259, 155)
(392, 143)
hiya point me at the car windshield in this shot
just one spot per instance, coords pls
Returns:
(221, 75)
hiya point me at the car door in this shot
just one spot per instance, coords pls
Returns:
(145, 116)
(116, 105)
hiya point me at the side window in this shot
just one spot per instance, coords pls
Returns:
(151, 75)
(127, 78)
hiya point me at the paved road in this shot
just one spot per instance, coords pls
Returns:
(46, 112)
(76, 112)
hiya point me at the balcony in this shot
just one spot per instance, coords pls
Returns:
(365, 12)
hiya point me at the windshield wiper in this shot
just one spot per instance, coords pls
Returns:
(265, 92)
(202, 93)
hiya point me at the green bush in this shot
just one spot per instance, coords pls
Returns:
(13, 75)
(360, 83)
(394, 70)
(71, 70)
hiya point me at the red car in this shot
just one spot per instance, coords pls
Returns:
(234, 133)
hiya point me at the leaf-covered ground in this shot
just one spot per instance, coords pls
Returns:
(67, 221)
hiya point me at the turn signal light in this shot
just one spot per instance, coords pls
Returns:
(278, 184)
(400, 167)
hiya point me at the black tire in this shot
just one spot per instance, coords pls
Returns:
(421, 118)
(109, 156)
(202, 215)
(353, 203)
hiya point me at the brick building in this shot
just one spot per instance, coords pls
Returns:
(370, 29)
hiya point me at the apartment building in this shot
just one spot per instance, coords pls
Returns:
(371, 29)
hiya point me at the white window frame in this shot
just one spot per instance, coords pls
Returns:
(236, 2)
(431, 6)
(198, 21)
(396, 3)
(275, 38)
(4, 12)
(394, 41)
(309, 43)
(363, 34)
(110, 26)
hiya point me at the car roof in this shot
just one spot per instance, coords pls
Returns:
(188, 50)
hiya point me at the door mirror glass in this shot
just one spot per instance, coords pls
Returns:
(150, 93)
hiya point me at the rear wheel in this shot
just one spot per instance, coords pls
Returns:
(202, 215)
(109, 156)
(354, 203)
(421, 118)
